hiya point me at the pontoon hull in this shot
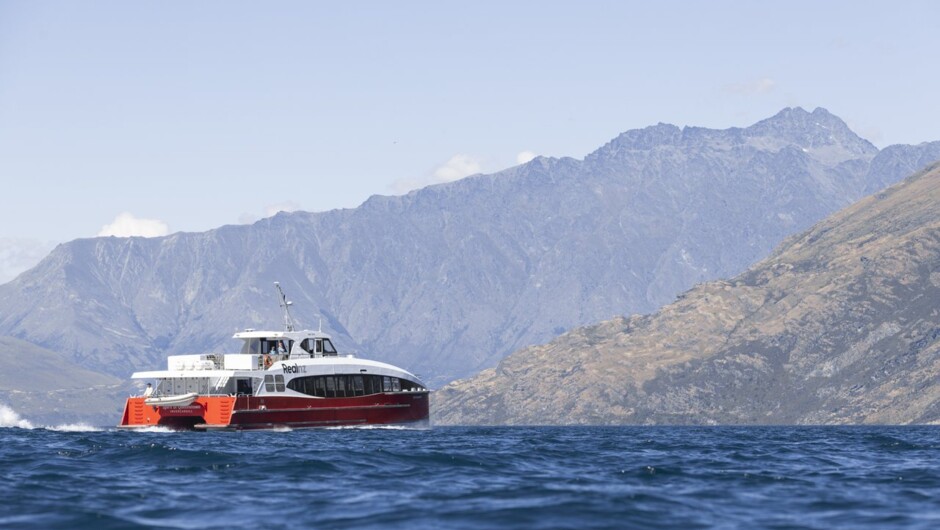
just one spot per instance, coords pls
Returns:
(252, 412)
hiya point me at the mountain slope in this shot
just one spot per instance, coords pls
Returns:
(840, 325)
(47, 390)
(449, 279)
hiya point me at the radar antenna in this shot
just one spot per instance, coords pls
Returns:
(285, 305)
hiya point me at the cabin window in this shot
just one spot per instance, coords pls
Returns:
(251, 346)
(273, 383)
(345, 385)
(273, 346)
(318, 347)
(411, 386)
(298, 384)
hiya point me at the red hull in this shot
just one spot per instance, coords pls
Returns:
(251, 412)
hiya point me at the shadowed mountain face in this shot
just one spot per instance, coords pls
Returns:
(449, 279)
(840, 325)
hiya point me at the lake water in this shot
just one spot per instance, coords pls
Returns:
(473, 477)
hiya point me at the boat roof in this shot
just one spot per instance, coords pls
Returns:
(301, 334)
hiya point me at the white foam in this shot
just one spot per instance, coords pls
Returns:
(9, 418)
(74, 427)
(153, 429)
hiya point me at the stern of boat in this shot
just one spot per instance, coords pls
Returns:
(203, 411)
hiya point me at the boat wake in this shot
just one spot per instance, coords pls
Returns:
(11, 419)
(155, 428)
(75, 427)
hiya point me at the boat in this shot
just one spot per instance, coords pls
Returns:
(181, 400)
(278, 379)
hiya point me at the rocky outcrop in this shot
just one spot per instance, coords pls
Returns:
(841, 324)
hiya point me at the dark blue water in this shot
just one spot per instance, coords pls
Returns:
(631, 477)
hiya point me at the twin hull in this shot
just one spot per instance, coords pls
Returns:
(255, 412)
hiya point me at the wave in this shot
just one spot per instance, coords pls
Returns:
(382, 427)
(9, 418)
(473, 477)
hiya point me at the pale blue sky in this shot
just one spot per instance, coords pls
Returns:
(199, 114)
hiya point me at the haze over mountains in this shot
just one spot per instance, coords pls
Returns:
(449, 279)
(840, 325)
(52, 390)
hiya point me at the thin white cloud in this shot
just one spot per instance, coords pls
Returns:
(458, 167)
(406, 185)
(763, 85)
(524, 157)
(248, 218)
(126, 225)
(286, 206)
(20, 254)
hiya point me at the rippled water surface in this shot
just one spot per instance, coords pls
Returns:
(540, 477)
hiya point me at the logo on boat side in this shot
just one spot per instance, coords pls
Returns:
(293, 369)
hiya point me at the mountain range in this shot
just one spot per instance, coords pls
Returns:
(449, 279)
(841, 324)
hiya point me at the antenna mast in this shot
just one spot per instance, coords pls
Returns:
(285, 305)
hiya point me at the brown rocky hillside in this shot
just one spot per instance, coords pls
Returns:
(841, 324)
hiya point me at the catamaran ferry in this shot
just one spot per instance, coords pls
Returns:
(292, 379)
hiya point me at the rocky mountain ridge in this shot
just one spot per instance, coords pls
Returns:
(841, 324)
(449, 279)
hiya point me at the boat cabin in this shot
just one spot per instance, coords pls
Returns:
(286, 344)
